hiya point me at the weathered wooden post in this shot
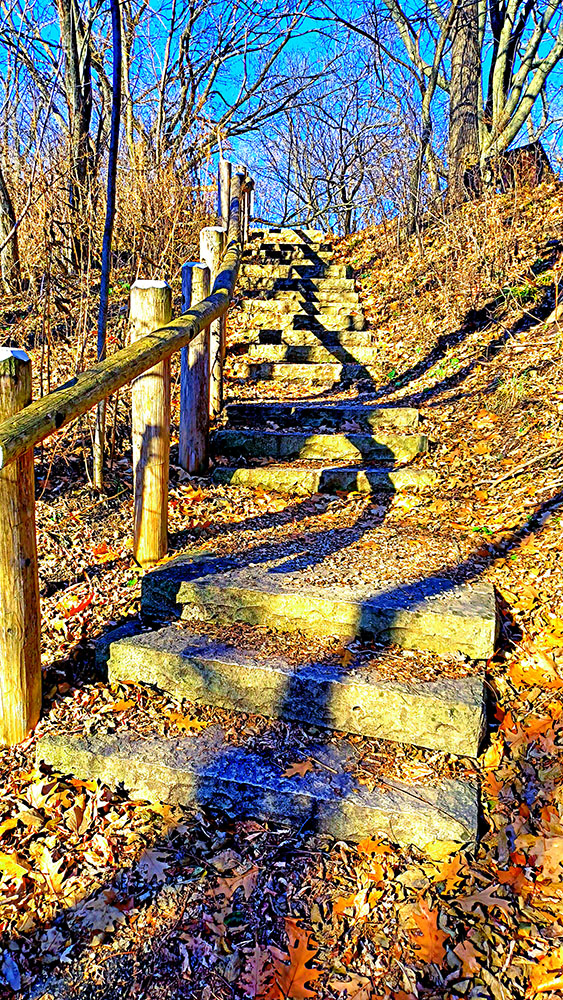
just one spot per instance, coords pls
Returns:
(249, 209)
(20, 618)
(211, 240)
(224, 193)
(151, 309)
(194, 377)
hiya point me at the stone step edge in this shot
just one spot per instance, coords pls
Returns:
(319, 371)
(284, 444)
(392, 416)
(327, 479)
(203, 771)
(445, 715)
(431, 614)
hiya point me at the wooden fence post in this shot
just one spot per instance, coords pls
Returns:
(224, 194)
(194, 377)
(211, 240)
(151, 308)
(20, 617)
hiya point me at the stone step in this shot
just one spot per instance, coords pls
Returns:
(206, 771)
(383, 446)
(302, 481)
(289, 256)
(305, 338)
(313, 285)
(444, 714)
(364, 354)
(318, 414)
(283, 299)
(303, 272)
(432, 614)
(303, 321)
(299, 235)
(324, 374)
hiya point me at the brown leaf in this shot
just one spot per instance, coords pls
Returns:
(354, 987)
(300, 767)
(429, 944)
(292, 977)
(153, 864)
(228, 886)
(257, 980)
(468, 958)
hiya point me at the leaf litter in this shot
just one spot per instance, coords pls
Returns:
(102, 895)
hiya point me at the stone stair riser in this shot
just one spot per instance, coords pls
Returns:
(365, 355)
(206, 773)
(301, 417)
(303, 321)
(347, 447)
(324, 374)
(344, 479)
(445, 715)
(306, 338)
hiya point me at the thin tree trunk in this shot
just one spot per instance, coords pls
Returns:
(98, 475)
(9, 256)
(464, 99)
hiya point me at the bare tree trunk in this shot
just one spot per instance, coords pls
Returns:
(108, 233)
(9, 255)
(78, 85)
(464, 99)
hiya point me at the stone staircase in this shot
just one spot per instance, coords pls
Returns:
(303, 326)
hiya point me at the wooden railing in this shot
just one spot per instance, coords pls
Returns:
(200, 333)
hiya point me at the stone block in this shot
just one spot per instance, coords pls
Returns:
(444, 714)
(204, 771)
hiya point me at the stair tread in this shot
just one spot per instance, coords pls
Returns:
(444, 714)
(207, 770)
(379, 445)
(306, 478)
(434, 613)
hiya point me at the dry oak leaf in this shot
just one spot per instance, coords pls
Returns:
(12, 866)
(292, 978)
(228, 886)
(468, 958)
(449, 872)
(485, 897)
(370, 846)
(547, 973)
(300, 767)
(154, 863)
(184, 723)
(257, 980)
(354, 987)
(429, 944)
(441, 850)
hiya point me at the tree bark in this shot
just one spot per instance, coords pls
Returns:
(9, 256)
(464, 99)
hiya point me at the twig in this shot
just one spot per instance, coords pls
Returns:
(522, 466)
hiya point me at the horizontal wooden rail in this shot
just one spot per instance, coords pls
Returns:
(44, 416)
(145, 362)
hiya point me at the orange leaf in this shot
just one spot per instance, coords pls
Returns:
(300, 767)
(370, 846)
(468, 958)
(540, 669)
(429, 944)
(292, 977)
(547, 973)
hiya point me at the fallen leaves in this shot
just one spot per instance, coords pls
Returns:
(300, 768)
(294, 978)
(429, 942)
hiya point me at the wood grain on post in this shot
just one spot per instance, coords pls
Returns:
(224, 198)
(194, 377)
(20, 619)
(211, 240)
(151, 308)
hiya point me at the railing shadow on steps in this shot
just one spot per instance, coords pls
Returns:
(310, 825)
(24, 423)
